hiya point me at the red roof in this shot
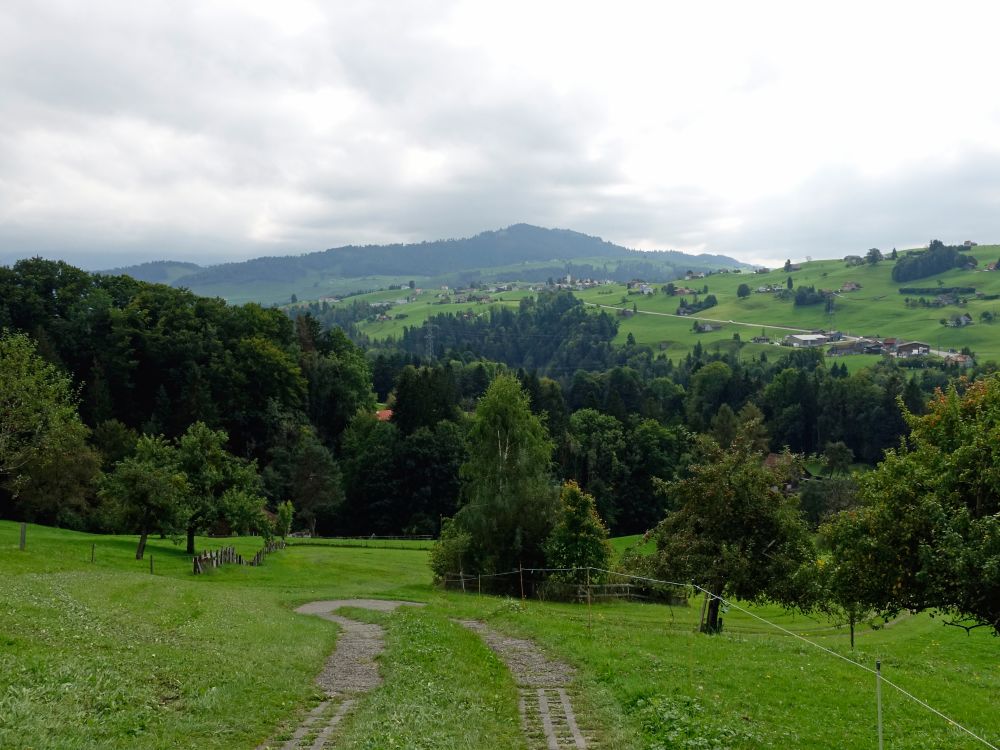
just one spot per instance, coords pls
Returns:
(383, 415)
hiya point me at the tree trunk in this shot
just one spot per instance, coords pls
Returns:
(190, 540)
(141, 549)
(712, 622)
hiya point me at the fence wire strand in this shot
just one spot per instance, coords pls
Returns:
(732, 605)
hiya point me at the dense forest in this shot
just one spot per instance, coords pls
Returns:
(300, 402)
(162, 411)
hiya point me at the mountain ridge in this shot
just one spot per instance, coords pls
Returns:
(537, 252)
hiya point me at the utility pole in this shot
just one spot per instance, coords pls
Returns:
(429, 338)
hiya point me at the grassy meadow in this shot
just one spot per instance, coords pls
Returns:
(877, 308)
(105, 654)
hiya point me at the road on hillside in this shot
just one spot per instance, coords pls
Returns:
(935, 352)
(715, 320)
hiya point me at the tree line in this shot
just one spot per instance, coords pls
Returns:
(937, 258)
(144, 359)
(135, 407)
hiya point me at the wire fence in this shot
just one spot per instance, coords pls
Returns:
(592, 585)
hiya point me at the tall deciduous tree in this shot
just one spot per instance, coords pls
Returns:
(929, 529)
(837, 458)
(59, 483)
(147, 492)
(731, 530)
(211, 472)
(845, 573)
(579, 539)
(37, 405)
(507, 492)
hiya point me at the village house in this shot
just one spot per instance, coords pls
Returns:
(962, 360)
(912, 349)
(706, 327)
(960, 321)
(850, 286)
(805, 340)
(843, 348)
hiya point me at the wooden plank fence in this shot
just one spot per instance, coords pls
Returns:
(228, 555)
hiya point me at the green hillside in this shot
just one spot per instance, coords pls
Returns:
(520, 252)
(876, 309)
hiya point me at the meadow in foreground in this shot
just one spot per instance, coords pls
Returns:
(104, 654)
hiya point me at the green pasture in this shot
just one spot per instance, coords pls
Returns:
(875, 309)
(364, 543)
(105, 654)
(310, 287)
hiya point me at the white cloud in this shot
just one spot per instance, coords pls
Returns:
(231, 130)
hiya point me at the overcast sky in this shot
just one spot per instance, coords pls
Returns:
(213, 131)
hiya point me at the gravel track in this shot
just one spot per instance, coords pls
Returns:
(350, 671)
(544, 702)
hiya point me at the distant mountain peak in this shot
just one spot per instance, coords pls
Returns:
(519, 252)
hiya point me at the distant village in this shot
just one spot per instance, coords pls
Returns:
(835, 342)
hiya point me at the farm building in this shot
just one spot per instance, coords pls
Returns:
(805, 340)
(912, 349)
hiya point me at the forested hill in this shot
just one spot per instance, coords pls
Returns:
(521, 252)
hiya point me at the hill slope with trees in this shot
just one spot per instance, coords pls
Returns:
(521, 251)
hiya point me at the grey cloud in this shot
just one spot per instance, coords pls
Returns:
(163, 129)
(840, 212)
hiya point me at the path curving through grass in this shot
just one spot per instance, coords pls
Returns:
(350, 671)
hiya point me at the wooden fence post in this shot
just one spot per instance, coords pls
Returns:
(24, 534)
(93, 549)
(151, 565)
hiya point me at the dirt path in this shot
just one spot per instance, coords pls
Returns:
(349, 671)
(544, 702)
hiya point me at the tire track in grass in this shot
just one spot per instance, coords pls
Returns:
(545, 704)
(349, 672)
